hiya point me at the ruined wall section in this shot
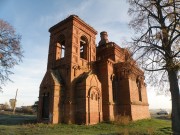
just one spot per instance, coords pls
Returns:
(132, 91)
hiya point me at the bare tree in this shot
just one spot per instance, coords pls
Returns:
(157, 44)
(10, 50)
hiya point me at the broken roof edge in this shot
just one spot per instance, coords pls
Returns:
(72, 17)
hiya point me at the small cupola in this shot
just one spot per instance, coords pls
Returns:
(104, 38)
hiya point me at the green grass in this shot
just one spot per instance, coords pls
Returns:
(25, 125)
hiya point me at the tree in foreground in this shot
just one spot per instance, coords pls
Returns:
(157, 45)
(10, 50)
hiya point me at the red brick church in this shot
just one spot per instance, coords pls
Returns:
(87, 83)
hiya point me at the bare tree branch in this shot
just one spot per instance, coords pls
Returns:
(10, 51)
(157, 27)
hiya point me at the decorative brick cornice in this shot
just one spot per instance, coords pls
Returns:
(128, 68)
(71, 18)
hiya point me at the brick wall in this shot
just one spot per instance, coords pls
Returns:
(140, 112)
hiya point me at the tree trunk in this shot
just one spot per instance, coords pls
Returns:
(175, 95)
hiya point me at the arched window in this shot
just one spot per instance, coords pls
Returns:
(60, 47)
(45, 106)
(114, 87)
(138, 83)
(83, 47)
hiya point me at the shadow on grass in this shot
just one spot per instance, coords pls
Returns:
(166, 130)
(134, 133)
(163, 118)
(112, 134)
(16, 119)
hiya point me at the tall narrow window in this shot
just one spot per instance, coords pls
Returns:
(114, 88)
(138, 82)
(83, 47)
(60, 48)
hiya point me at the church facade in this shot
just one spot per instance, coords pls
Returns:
(87, 84)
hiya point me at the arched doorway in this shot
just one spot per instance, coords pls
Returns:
(45, 106)
(94, 106)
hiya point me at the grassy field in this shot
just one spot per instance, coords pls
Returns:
(26, 125)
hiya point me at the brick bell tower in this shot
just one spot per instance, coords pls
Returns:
(72, 49)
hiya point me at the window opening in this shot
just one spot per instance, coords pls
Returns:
(60, 48)
(83, 47)
(138, 82)
(96, 97)
(45, 106)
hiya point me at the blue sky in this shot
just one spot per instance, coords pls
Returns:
(33, 18)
